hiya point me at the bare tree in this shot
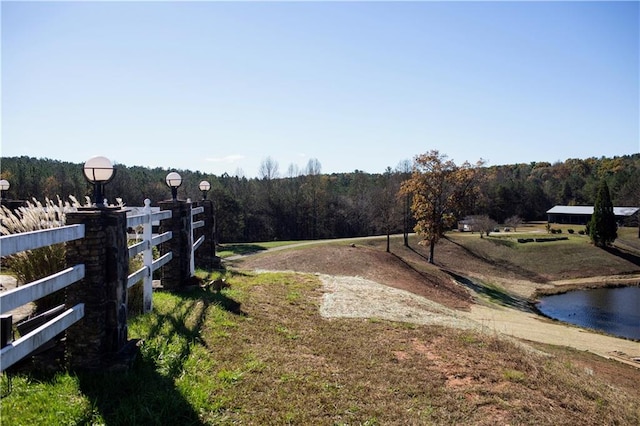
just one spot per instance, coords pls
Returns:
(313, 167)
(513, 222)
(293, 171)
(313, 180)
(268, 169)
(483, 224)
(404, 169)
(386, 203)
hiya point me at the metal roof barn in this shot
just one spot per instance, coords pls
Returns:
(580, 215)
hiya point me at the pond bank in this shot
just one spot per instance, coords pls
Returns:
(564, 286)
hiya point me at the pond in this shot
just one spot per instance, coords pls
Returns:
(615, 311)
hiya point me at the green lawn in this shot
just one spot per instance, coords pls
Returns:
(232, 249)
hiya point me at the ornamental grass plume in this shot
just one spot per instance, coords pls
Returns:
(32, 265)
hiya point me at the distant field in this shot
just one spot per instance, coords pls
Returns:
(572, 258)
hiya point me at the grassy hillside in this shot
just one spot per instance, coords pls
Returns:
(544, 261)
(260, 353)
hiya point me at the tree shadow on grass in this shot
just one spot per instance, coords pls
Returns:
(452, 290)
(418, 253)
(623, 254)
(147, 394)
(494, 294)
(508, 266)
(242, 249)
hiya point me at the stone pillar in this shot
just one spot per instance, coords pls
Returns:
(205, 256)
(177, 272)
(96, 340)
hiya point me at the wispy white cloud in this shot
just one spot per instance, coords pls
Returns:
(228, 159)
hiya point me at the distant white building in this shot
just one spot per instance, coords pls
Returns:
(580, 215)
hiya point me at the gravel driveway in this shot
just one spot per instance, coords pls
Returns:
(355, 297)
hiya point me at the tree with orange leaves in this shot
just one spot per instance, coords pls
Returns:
(442, 191)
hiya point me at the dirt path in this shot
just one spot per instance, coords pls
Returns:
(355, 297)
(529, 326)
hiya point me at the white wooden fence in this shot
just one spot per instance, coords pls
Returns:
(22, 295)
(145, 273)
(196, 244)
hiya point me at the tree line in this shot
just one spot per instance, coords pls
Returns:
(307, 204)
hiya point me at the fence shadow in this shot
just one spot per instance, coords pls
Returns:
(142, 396)
(147, 394)
(210, 296)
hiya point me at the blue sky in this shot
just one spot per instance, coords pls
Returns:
(221, 86)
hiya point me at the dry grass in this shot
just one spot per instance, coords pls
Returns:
(260, 353)
(285, 364)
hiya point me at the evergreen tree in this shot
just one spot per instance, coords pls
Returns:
(602, 227)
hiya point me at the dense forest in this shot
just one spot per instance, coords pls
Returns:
(308, 204)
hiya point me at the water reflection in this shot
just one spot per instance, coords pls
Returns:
(612, 310)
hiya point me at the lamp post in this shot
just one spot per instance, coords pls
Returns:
(4, 187)
(204, 187)
(174, 180)
(98, 171)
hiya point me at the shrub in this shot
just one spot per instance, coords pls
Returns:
(571, 231)
(582, 232)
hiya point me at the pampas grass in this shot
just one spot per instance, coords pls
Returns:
(32, 265)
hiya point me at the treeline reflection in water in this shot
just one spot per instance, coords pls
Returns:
(615, 311)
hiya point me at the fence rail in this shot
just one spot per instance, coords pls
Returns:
(11, 244)
(22, 295)
(195, 225)
(31, 341)
(9, 300)
(145, 273)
